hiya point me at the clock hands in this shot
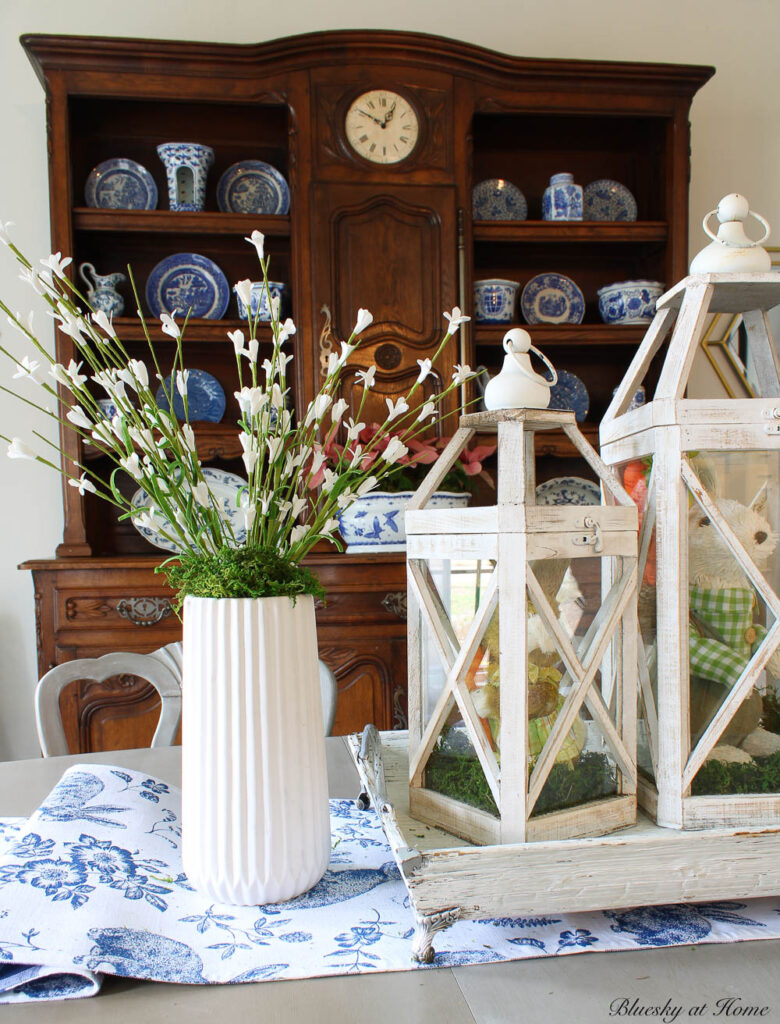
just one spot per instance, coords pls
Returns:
(371, 117)
(389, 115)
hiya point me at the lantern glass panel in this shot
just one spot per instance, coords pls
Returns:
(730, 615)
(637, 478)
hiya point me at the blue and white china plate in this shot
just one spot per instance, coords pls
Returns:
(570, 393)
(498, 199)
(552, 299)
(252, 186)
(606, 199)
(227, 487)
(120, 184)
(205, 397)
(188, 282)
(568, 490)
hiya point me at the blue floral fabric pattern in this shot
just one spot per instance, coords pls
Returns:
(92, 884)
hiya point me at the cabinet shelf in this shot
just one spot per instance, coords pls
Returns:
(570, 231)
(551, 335)
(213, 440)
(208, 222)
(199, 329)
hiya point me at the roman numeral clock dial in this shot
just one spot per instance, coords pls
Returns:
(382, 126)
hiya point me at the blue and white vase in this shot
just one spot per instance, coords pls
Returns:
(260, 306)
(562, 199)
(102, 292)
(186, 166)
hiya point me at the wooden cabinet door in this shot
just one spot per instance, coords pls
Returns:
(391, 250)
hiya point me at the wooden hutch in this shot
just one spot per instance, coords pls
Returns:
(397, 238)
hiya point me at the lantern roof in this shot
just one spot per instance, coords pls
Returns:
(685, 316)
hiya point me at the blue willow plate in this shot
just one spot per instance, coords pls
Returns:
(205, 397)
(252, 186)
(229, 487)
(606, 199)
(498, 199)
(570, 393)
(188, 282)
(120, 184)
(568, 490)
(552, 299)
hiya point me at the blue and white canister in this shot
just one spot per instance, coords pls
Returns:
(260, 306)
(186, 167)
(562, 199)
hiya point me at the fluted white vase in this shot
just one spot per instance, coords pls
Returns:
(255, 818)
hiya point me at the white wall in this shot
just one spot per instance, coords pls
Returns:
(736, 147)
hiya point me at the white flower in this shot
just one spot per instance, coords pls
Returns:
(106, 379)
(182, 376)
(346, 352)
(285, 331)
(366, 377)
(147, 520)
(249, 459)
(76, 378)
(76, 416)
(248, 515)
(425, 368)
(35, 280)
(132, 466)
(353, 429)
(317, 409)
(237, 337)
(275, 446)
(456, 318)
(200, 492)
(18, 449)
(254, 348)
(103, 322)
(395, 450)
(71, 325)
(169, 325)
(428, 409)
(4, 236)
(282, 361)
(83, 484)
(17, 321)
(277, 397)
(243, 290)
(102, 432)
(188, 437)
(331, 478)
(462, 373)
(330, 526)
(357, 451)
(275, 304)
(27, 368)
(60, 374)
(56, 264)
(364, 318)
(138, 369)
(345, 498)
(317, 461)
(368, 485)
(251, 400)
(298, 533)
(333, 364)
(396, 409)
(257, 239)
(338, 411)
(298, 506)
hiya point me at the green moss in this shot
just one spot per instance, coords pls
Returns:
(762, 776)
(239, 572)
(461, 777)
(770, 719)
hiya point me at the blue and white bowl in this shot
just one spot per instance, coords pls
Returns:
(629, 302)
(375, 522)
(494, 300)
(259, 299)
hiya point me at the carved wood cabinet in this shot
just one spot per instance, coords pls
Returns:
(391, 234)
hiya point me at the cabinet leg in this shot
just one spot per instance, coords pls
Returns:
(426, 927)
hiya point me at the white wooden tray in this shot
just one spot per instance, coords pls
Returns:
(449, 879)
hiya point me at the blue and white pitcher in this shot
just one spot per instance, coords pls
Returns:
(102, 291)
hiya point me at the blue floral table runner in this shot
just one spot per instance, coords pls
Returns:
(92, 884)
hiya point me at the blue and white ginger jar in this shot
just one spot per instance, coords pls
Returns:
(562, 199)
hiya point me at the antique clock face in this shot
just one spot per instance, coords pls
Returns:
(382, 126)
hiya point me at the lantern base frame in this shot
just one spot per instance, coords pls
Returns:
(644, 865)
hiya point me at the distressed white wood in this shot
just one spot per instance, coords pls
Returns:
(763, 353)
(465, 546)
(456, 818)
(642, 865)
(686, 335)
(440, 468)
(733, 293)
(158, 669)
(415, 682)
(638, 367)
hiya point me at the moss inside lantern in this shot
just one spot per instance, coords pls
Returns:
(762, 775)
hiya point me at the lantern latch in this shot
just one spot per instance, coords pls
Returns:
(591, 539)
(771, 414)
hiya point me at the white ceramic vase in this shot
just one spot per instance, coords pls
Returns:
(255, 816)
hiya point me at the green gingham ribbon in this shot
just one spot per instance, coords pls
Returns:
(723, 635)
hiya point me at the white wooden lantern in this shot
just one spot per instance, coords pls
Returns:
(706, 477)
(522, 633)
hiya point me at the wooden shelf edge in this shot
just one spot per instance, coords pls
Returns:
(563, 334)
(209, 222)
(569, 231)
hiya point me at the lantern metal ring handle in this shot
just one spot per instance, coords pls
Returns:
(529, 374)
(750, 244)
